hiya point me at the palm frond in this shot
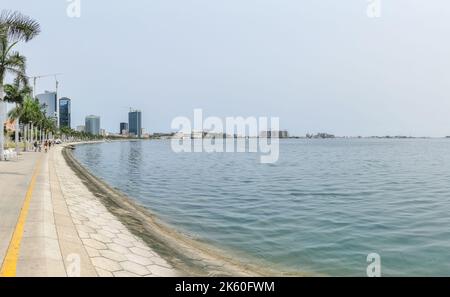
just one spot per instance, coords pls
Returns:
(15, 59)
(21, 80)
(16, 26)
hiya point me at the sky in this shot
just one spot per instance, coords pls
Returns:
(320, 66)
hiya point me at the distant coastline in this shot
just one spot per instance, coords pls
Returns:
(315, 136)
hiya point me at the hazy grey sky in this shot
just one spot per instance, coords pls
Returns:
(320, 65)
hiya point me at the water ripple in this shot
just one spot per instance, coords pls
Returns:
(322, 208)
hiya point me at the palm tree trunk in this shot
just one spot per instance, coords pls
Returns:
(2, 120)
(32, 136)
(24, 137)
(16, 136)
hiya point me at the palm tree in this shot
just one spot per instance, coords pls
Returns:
(16, 93)
(22, 111)
(30, 111)
(14, 27)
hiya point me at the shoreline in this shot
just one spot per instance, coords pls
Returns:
(190, 257)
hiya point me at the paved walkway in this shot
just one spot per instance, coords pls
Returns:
(15, 177)
(67, 231)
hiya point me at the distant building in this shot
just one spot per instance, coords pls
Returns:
(198, 134)
(274, 134)
(64, 112)
(284, 134)
(167, 135)
(81, 128)
(178, 135)
(103, 132)
(215, 135)
(115, 135)
(320, 135)
(92, 125)
(135, 123)
(265, 134)
(123, 129)
(49, 101)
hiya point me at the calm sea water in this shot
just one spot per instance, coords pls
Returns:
(321, 209)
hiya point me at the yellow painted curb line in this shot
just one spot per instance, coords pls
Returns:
(9, 266)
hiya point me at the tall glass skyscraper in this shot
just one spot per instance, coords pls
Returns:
(64, 112)
(49, 101)
(92, 125)
(135, 123)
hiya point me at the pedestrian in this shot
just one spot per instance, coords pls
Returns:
(35, 144)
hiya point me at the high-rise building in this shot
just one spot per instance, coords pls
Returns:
(49, 101)
(284, 134)
(64, 112)
(92, 125)
(123, 128)
(135, 123)
(274, 134)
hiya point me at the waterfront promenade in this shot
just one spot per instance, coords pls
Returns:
(52, 225)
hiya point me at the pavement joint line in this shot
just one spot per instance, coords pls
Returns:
(51, 166)
(50, 179)
(9, 266)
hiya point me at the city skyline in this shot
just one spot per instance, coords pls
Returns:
(50, 103)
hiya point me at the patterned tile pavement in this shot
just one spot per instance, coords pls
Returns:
(112, 249)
